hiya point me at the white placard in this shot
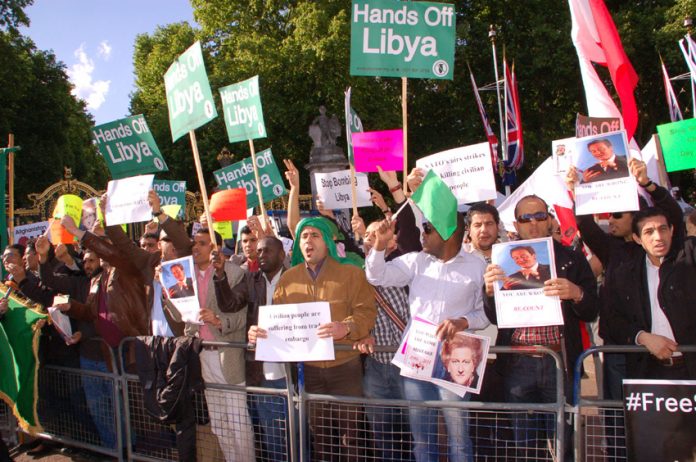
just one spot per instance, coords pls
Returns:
(127, 200)
(604, 188)
(292, 333)
(334, 190)
(180, 286)
(468, 171)
(562, 152)
(61, 322)
(23, 233)
(520, 299)
(416, 354)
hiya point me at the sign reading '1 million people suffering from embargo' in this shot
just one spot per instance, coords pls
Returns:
(390, 38)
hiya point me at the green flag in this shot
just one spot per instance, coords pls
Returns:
(19, 344)
(353, 125)
(439, 206)
(3, 212)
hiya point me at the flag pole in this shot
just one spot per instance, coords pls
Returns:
(10, 183)
(404, 122)
(262, 207)
(503, 135)
(201, 185)
(349, 146)
(689, 23)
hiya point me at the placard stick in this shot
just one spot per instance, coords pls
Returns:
(262, 207)
(404, 122)
(10, 184)
(354, 192)
(201, 185)
(661, 169)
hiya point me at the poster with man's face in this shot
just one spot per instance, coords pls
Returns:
(179, 285)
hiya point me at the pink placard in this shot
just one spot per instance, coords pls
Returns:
(385, 148)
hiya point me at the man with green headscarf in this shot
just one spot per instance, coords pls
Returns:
(319, 274)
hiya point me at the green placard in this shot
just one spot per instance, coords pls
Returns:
(241, 105)
(189, 98)
(678, 141)
(128, 147)
(390, 38)
(241, 175)
(171, 193)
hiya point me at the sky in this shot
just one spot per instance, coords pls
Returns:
(95, 39)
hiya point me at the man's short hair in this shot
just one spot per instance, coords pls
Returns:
(218, 237)
(18, 247)
(482, 208)
(31, 245)
(691, 218)
(459, 232)
(179, 265)
(245, 230)
(276, 242)
(530, 197)
(643, 215)
(150, 236)
(528, 248)
(606, 141)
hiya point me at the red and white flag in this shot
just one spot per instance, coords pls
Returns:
(672, 102)
(492, 139)
(597, 41)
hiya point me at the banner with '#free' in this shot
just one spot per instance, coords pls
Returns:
(189, 98)
(390, 38)
(128, 147)
(241, 105)
(241, 175)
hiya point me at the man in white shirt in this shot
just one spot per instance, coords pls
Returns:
(446, 288)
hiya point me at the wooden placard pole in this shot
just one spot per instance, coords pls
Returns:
(10, 184)
(262, 206)
(201, 185)
(404, 122)
(661, 168)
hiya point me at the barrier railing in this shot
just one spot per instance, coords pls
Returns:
(272, 424)
(599, 423)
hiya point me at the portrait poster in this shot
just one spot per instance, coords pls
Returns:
(179, 282)
(460, 363)
(562, 152)
(605, 183)
(519, 298)
(292, 333)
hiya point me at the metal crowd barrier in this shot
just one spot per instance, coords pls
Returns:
(599, 423)
(265, 424)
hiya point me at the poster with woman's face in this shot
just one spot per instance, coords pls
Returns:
(461, 363)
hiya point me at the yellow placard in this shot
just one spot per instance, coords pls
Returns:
(224, 228)
(70, 205)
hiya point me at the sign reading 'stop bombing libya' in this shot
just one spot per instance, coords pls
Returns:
(391, 38)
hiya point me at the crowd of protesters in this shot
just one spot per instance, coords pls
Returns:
(634, 276)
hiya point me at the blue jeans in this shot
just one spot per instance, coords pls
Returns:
(424, 423)
(389, 424)
(273, 416)
(99, 394)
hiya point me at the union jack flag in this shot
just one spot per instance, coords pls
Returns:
(515, 145)
(675, 113)
(492, 139)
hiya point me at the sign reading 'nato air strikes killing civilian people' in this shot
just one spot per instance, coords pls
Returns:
(241, 175)
(128, 147)
(390, 38)
(189, 98)
(241, 104)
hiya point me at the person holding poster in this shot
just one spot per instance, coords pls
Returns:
(319, 274)
(445, 288)
(609, 165)
(531, 378)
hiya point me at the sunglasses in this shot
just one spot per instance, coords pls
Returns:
(427, 227)
(617, 215)
(528, 217)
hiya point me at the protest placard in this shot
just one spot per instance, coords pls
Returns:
(241, 106)
(181, 288)
(334, 189)
(467, 171)
(292, 333)
(128, 200)
(660, 417)
(605, 183)
(189, 98)
(128, 147)
(562, 151)
(519, 298)
(678, 142)
(23, 233)
(384, 149)
(224, 229)
(460, 363)
(589, 126)
(353, 124)
(416, 353)
(228, 205)
(171, 193)
(241, 175)
(402, 39)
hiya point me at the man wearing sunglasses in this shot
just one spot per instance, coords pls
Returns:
(532, 378)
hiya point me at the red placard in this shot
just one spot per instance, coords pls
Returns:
(229, 205)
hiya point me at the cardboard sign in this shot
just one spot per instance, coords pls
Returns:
(228, 205)
(128, 200)
(384, 148)
(23, 233)
(181, 287)
(241, 175)
(70, 205)
(467, 171)
(224, 229)
(189, 98)
(241, 106)
(353, 124)
(171, 193)
(678, 141)
(402, 39)
(128, 147)
(589, 126)
(335, 192)
(58, 235)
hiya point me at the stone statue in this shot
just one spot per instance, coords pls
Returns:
(324, 129)
(325, 155)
